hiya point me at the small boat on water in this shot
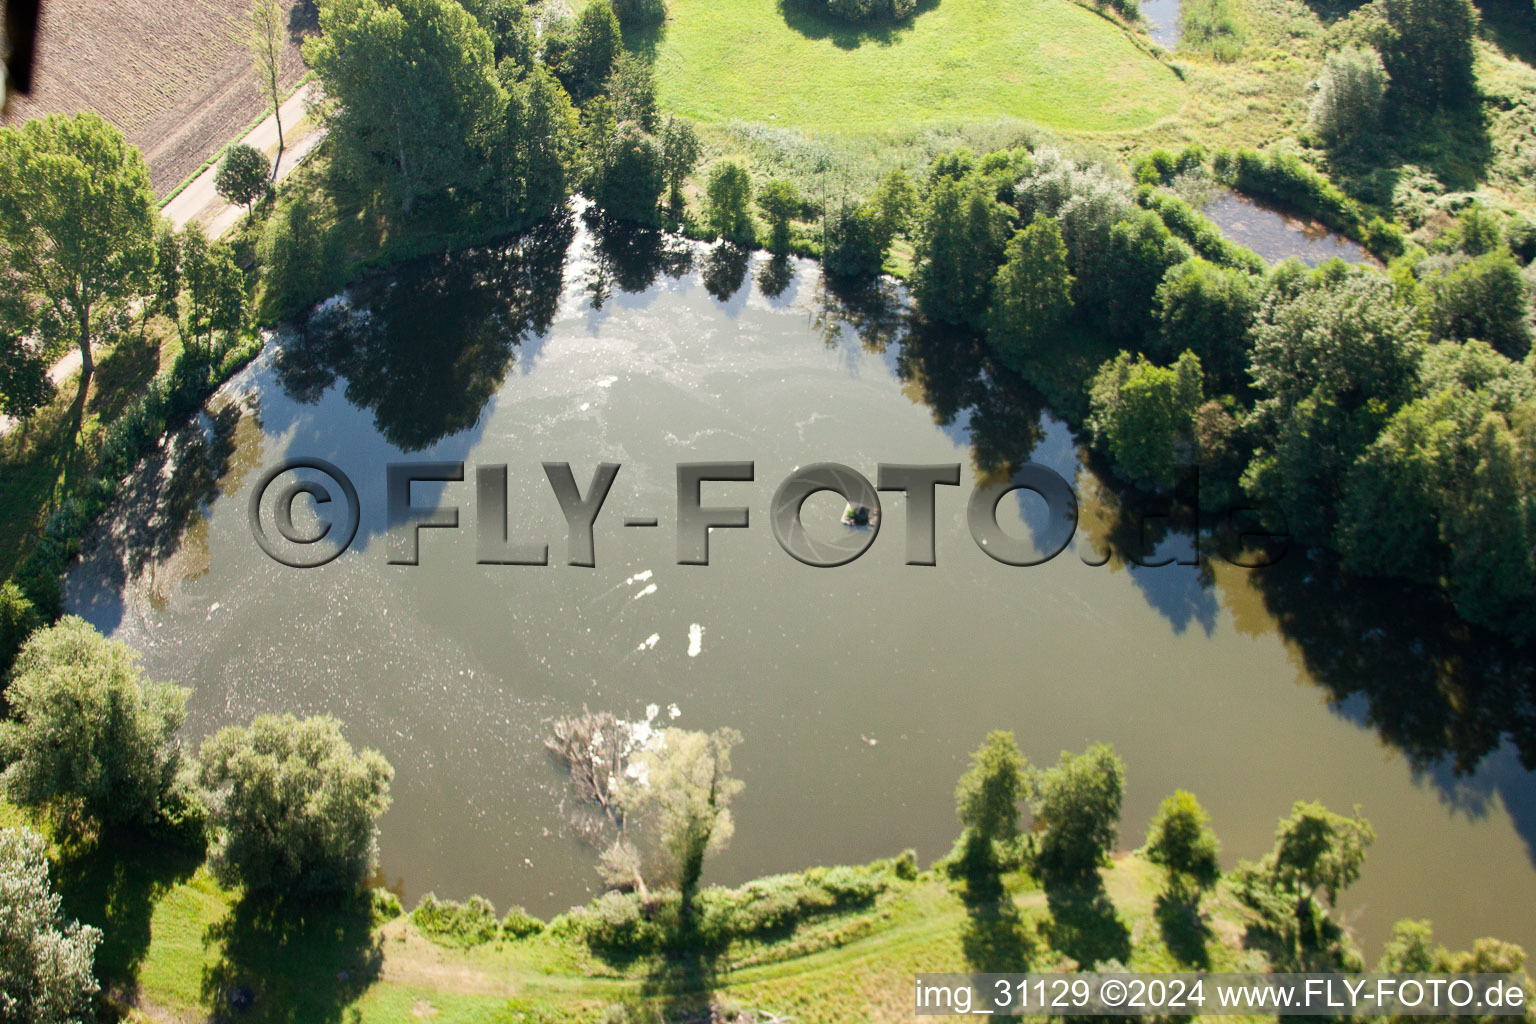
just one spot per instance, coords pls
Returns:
(860, 515)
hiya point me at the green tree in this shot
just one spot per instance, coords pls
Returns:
(1333, 356)
(91, 735)
(299, 252)
(1429, 52)
(585, 61)
(266, 32)
(895, 201)
(77, 219)
(729, 202)
(680, 151)
(213, 288)
(780, 204)
(243, 176)
(853, 244)
(960, 240)
(631, 88)
(1346, 105)
(46, 964)
(1478, 231)
(1077, 813)
(18, 620)
(989, 795)
(1032, 295)
(1316, 851)
(1207, 309)
(630, 175)
(685, 787)
(1181, 841)
(1483, 298)
(292, 807)
(1141, 251)
(413, 90)
(1144, 415)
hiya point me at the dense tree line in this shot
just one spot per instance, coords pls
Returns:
(1387, 414)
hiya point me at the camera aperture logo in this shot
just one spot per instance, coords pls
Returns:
(337, 510)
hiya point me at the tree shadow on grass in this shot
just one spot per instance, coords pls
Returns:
(995, 937)
(1084, 924)
(847, 35)
(1184, 927)
(283, 962)
(681, 985)
(122, 374)
(114, 885)
(1511, 26)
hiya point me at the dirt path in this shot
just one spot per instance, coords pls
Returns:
(201, 202)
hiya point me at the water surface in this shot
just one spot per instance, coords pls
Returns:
(859, 690)
(1275, 235)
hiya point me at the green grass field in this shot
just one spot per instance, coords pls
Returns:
(855, 967)
(1048, 62)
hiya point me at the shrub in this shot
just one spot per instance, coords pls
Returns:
(292, 806)
(386, 906)
(519, 924)
(904, 866)
(451, 923)
(1213, 27)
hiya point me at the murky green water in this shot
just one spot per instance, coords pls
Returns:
(859, 690)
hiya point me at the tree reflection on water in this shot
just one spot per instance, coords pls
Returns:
(425, 346)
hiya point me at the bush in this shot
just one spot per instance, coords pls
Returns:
(1203, 236)
(1213, 27)
(519, 924)
(904, 866)
(451, 923)
(386, 906)
(292, 806)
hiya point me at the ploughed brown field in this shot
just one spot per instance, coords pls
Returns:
(169, 73)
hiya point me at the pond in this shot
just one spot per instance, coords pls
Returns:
(1277, 236)
(859, 690)
(1162, 18)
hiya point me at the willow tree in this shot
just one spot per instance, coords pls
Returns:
(77, 223)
